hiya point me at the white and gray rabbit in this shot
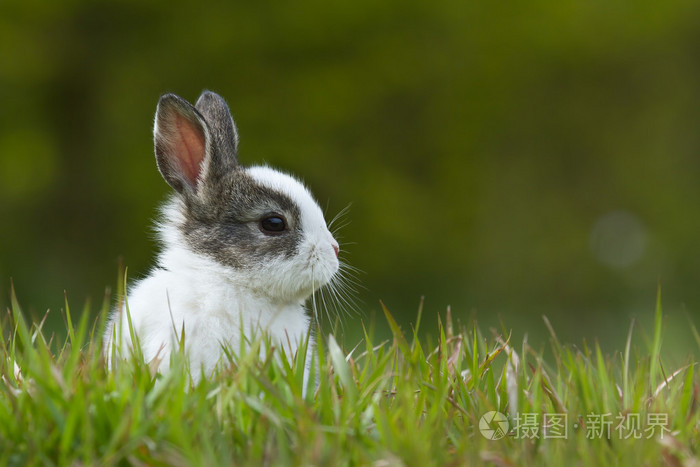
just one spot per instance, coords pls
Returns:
(241, 246)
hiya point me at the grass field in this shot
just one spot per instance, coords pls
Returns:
(464, 396)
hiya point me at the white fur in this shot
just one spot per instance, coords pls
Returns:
(211, 300)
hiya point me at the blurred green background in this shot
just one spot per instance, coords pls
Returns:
(508, 159)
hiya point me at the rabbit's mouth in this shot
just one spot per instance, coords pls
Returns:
(323, 266)
(335, 290)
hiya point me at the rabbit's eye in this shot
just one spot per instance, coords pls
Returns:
(273, 224)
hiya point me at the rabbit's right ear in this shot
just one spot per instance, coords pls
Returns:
(182, 142)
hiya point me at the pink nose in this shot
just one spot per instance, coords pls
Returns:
(336, 249)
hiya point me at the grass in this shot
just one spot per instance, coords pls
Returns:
(405, 401)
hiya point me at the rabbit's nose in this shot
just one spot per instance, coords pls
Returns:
(336, 248)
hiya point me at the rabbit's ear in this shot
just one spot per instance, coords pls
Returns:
(182, 142)
(223, 129)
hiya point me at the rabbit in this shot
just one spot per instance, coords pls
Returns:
(243, 248)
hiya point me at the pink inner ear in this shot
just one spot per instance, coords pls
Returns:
(189, 148)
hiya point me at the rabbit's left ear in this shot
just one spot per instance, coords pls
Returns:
(223, 129)
(182, 141)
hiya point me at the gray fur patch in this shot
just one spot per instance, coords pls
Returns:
(223, 222)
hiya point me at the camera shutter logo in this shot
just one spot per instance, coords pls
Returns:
(493, 425)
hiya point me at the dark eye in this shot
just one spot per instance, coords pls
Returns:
(273, 224)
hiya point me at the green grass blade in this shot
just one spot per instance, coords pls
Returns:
(655, 362)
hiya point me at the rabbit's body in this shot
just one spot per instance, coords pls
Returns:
(244, 248)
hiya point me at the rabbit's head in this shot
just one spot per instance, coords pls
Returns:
(261, 225)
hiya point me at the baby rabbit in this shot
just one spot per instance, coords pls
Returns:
(243, 247)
